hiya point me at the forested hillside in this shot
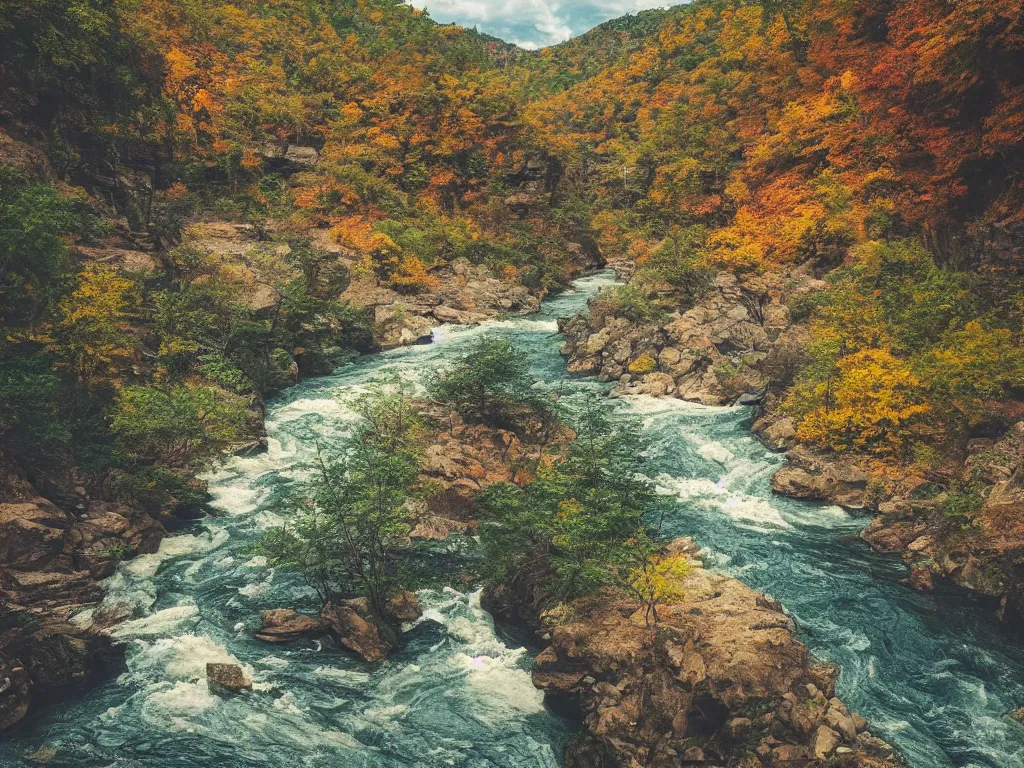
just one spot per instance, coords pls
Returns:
(203, 202)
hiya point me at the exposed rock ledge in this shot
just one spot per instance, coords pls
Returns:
(721, 680)
(51, 557)
(729, 344)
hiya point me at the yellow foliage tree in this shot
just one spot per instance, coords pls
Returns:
(95, 325)
(869, 402)
(659, 579)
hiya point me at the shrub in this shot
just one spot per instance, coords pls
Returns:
(626, 301)
(412, 277)
(181, 424)
(156, 487)
(643, 364)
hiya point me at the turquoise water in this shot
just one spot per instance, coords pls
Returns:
(932, 672)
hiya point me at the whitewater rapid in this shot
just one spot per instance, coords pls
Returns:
(932, 672)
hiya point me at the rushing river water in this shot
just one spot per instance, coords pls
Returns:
(930, 671)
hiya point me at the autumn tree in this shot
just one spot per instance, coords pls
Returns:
(95, 329)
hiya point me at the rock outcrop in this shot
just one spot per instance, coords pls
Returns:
(740, 344)
(283, 625)
(466, 294)
(728, 345)
(719, 680)
(42, 655)
(808, 475)
(354, 625)
(461, 460)
(51, 558)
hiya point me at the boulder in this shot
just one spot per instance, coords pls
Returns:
(403, 607)
(282, 625)
(809, 475)
(43, 655)
(227, 677)
(355, 631)
(449, 315)
(718, 654)
(839, 719)
(290, 158)
(921, 578)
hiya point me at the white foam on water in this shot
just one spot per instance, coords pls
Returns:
(494, 671)
(288, 703)
(347, 677)
(539, 326)
(754, 512)
(184, 698)
(266, 520)
(386, 717)
(258, 588)
(273, 661)
(823, 517)
(647, 406)
(327, 406)
(180, 658)
(715, 451)
(160, 623)
(501, 682)
(146, 566)
(235, 499)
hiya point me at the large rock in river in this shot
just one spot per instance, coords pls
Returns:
(283, 625)
(721, 669)
(353, 626)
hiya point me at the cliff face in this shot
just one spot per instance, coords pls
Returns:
(720, 679)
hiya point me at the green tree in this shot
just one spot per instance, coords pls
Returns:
(349, 519)
(584, 522)
(36, 225)
(179, 425)
(492, 384)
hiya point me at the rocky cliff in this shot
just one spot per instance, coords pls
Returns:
(736, 340)
(53, 552)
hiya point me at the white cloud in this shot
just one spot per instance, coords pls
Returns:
(532, 23)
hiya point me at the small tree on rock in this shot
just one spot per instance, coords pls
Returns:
(491, 384)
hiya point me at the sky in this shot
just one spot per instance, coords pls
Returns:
(532, 23)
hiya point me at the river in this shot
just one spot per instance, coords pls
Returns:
(932, 672)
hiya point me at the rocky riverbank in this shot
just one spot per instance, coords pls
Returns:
(742, 342)
(61, 534)
(719, 679)
(54, 550)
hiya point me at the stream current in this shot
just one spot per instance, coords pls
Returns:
(931, 672)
